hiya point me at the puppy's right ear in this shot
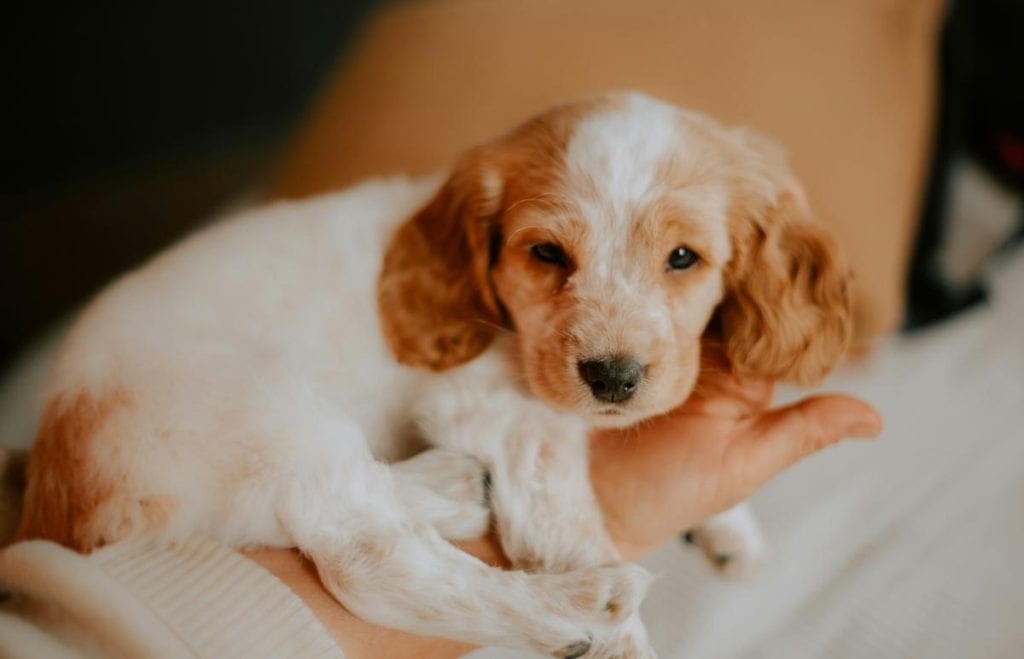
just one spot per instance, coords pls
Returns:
(436, 303)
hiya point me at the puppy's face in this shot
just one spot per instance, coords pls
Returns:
(606, 234)
(612, 264)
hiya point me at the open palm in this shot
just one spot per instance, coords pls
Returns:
(720, 446)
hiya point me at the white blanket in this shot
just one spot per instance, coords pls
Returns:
(910, 546)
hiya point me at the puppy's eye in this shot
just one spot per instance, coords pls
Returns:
(682, 258)
(550, 253)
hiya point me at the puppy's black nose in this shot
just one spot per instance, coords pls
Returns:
(612, 380)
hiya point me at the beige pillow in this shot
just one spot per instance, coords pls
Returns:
(846, 85)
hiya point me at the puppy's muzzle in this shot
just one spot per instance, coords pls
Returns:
(612, 380)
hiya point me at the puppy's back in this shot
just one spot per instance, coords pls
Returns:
(173, 390)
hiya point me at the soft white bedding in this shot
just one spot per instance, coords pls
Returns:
(911, 546)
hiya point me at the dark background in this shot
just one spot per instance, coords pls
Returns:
(125, 123)
(981, 116)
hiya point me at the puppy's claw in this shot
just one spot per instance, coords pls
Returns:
(575, 650)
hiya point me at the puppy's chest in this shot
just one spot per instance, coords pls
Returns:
(393, 435)
(382, 405)
(482, 406)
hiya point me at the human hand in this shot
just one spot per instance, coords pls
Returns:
(670, 473)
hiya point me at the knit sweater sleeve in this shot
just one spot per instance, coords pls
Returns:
(145, 598)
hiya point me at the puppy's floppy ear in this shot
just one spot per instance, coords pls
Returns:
(788, 312)
(436, 303)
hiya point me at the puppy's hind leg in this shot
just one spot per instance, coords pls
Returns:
(391, 570)
(731, 541)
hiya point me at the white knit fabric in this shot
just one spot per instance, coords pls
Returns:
(218, 600)
(145, 599)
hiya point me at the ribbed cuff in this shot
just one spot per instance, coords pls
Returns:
(218, 602)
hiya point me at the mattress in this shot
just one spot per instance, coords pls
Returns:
(911, 545)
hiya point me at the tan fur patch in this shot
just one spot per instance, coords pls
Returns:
(65, 488)
(437, 305)
(157, 511)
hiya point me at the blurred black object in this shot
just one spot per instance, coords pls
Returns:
(981, 117)
(126, 122)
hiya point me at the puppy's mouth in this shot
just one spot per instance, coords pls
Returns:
(613, 417)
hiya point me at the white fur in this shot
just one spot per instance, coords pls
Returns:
(612, 161)
(620, 149)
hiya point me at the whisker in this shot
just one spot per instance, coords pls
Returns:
(492, 325)
(521, 229)
(547, 198)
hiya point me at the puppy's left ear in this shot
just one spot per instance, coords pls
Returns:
(788, 312)
(436, 303)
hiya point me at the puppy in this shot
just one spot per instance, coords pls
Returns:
(339, 374)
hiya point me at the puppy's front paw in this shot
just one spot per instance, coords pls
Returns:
(453, 475)
(731, 542)
(449, 490)
(596, 602)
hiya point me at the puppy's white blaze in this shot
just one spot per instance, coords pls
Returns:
(618, 152)
(659, 321)
(628, 287)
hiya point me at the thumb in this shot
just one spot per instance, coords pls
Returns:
(786, 435)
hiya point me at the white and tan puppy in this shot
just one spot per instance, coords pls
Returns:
(276, 379)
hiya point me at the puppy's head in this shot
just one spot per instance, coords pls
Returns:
(606, 234)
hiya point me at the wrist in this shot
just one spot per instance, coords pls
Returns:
(358, 638)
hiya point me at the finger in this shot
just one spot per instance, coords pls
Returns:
(726, 396)
(719, 392)
(718, 377)
(784, 436)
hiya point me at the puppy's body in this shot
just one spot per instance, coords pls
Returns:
(274, 428)
(258, 383)
(301, 359)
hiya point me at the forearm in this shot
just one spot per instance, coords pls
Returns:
(191, 597)
(358, 638)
